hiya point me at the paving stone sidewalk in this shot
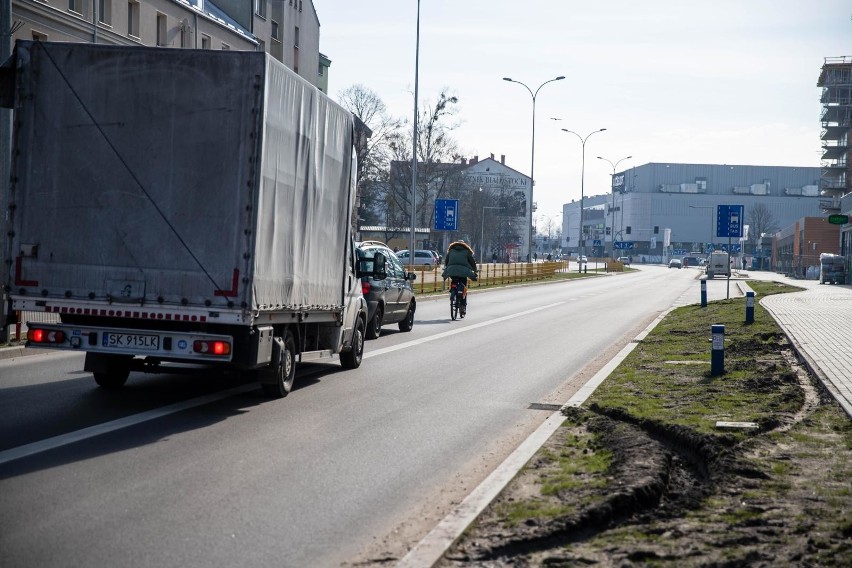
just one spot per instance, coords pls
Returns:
(819, 323)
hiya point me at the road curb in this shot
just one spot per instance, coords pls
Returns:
(14, 351)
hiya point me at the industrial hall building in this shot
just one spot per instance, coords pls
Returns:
(659, 210)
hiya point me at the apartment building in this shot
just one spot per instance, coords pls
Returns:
(286, 29)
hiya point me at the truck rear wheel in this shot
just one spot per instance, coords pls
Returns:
(277, 380)
(112, 379)
(352, 359)
(110, 371)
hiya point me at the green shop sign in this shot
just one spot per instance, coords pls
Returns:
(838, 219)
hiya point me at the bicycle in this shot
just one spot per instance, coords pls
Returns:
(458, 298)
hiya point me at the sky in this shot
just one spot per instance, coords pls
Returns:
(672, 81)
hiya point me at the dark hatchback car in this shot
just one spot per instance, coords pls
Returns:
(389, 292)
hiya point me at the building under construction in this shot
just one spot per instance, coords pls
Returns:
(835, 79)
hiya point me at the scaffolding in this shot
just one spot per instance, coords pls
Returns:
(835, 79)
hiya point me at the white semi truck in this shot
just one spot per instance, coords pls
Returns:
(180, 208)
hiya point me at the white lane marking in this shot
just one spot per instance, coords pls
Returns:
(106, 427)
(437, 336)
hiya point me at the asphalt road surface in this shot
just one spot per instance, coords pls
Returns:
(353, 466)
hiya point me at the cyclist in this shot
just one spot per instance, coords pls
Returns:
(460, 265)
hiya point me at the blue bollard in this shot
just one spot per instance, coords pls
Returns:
(703, 292)
(749, 307)
(717, 355)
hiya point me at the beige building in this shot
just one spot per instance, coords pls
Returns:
(287, 29)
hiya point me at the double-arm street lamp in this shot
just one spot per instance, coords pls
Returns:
(582, 243)
(612, 181)
(532, 165)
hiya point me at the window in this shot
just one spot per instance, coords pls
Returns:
(226, 47)
(296, 51)
(656, 230)
(75, 6)
(162, 30)
(276, 31)
(701, 184)
(38, 36)
(260, 8)
(627, 230)
(105, 12)
(205, 41)
(133, 19)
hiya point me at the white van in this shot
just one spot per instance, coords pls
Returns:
(718, 263)
(421, 258)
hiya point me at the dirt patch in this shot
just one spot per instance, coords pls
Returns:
(610, 489)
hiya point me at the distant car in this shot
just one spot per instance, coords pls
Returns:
(675, 263)
(625, 260)
(691, 261)
(438, 258)
(390, 299)
(421, 258)
(582, 259)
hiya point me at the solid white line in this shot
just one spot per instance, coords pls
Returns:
(437, 336)
(106, 427)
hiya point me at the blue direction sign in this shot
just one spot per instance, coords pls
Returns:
(729, 221)
(624, 245)
(446, 214)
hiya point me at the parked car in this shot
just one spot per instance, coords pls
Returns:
(625, 260)
(421, 258)
(438, 258)
(390, 299)
(691, 261)
(582, 259)
(675, 263)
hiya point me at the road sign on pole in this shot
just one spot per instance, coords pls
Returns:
(729, 221)
(446, 214)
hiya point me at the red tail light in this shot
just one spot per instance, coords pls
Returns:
(212, 347)
(365, 288)
(38, 335)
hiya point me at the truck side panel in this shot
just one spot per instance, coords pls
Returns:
(305, 196)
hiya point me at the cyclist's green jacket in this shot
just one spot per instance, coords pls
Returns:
(459, 261)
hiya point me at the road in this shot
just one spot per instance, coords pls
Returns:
(351, 467)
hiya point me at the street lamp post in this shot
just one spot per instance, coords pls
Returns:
(482, 232)
(612, 180)
(413, 237)
(582, 243)
(532, 159)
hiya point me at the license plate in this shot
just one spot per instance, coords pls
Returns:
(131, 341)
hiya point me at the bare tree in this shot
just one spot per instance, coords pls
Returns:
(760, 220)
(373, 148)
(437, 162)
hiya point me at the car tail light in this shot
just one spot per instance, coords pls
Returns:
(212, 347)
(45, 336)
(365, 288)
